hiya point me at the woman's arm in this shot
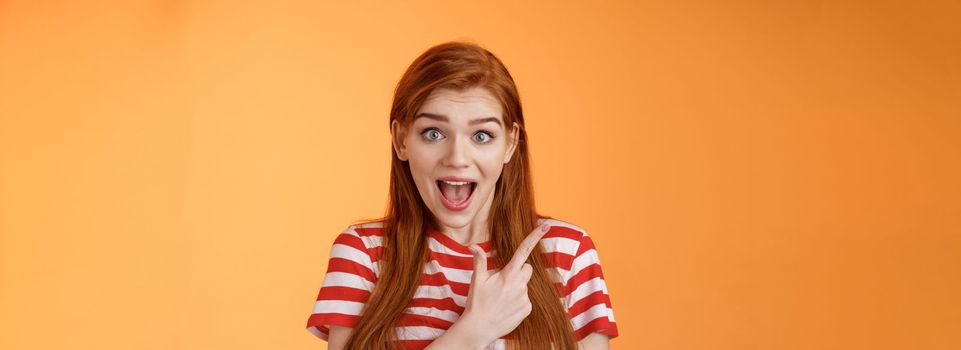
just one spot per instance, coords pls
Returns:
(338, 337)
(458, 336)
(454, 339)
(594, 341)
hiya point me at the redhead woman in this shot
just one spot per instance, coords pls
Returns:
(462, 259)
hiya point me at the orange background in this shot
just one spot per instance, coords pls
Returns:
(755, 174)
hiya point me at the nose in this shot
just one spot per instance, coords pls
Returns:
(458, 154)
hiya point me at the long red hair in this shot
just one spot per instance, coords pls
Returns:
(459, 65)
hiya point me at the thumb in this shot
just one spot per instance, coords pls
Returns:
(480, 263)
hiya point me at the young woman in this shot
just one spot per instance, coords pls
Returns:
(462, 260)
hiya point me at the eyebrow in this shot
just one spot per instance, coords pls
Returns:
(443, 118)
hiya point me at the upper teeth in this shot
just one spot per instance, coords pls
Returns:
(456, 183)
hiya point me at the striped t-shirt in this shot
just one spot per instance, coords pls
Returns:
(441, 296)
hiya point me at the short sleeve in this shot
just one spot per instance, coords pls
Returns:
(347, 284)
(588, 301)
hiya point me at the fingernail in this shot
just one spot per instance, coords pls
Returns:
(545, 227)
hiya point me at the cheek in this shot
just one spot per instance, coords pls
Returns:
(421, 160)
(489, 159)
(491, 164)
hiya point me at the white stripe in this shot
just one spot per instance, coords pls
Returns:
(446, 315)
(338, 306)
(346, 279)
(596, 311)
(349, 252)
(344, 251)
(418, 332)
(372, 241)
(452, 274)
(317, 332)
(586, 259)
(560, 245)
(570, 246)
(431, 333)
(439, 247)
(464, 276)
(440, 292)
(585, 289)
(549, 245)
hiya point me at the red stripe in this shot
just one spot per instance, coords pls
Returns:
(460, 262)
(369, 231)
(414, 320)
(446, 304)
(600, 325)
(321, 320)
(587, 302)
(438, 279)
(564, 232)
(352, 267)
(586, 274)
(376, 253)
(454, 245)
(552, 259)
(411, 344)
(586, 244)
(560, 289)
(562, 260)
(343, 293)
(351, 241)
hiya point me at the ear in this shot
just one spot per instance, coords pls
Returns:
(514, 137)
(398, 135)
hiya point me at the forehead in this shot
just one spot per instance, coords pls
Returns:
(462, 104)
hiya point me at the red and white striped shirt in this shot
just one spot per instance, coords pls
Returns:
(441, 296)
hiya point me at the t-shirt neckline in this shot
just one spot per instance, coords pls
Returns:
(449, 242)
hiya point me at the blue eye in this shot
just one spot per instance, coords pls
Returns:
(431, 134)
(483, 139)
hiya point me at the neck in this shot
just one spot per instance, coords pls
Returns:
(470, 234)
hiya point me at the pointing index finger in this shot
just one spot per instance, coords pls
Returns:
(480, 263)
(524, 250)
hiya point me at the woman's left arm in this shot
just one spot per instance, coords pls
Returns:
(594, 341)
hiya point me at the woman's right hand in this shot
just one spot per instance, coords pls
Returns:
(498, 302)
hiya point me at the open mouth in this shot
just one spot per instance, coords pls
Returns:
(456, 194)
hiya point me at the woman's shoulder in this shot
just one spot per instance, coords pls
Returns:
(563, 236)
(563, 225)
(369, 227)
(370, 232)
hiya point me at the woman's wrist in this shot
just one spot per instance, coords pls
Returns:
(461, 335)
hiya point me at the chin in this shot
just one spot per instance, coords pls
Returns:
(452, 218)
(453, 222)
